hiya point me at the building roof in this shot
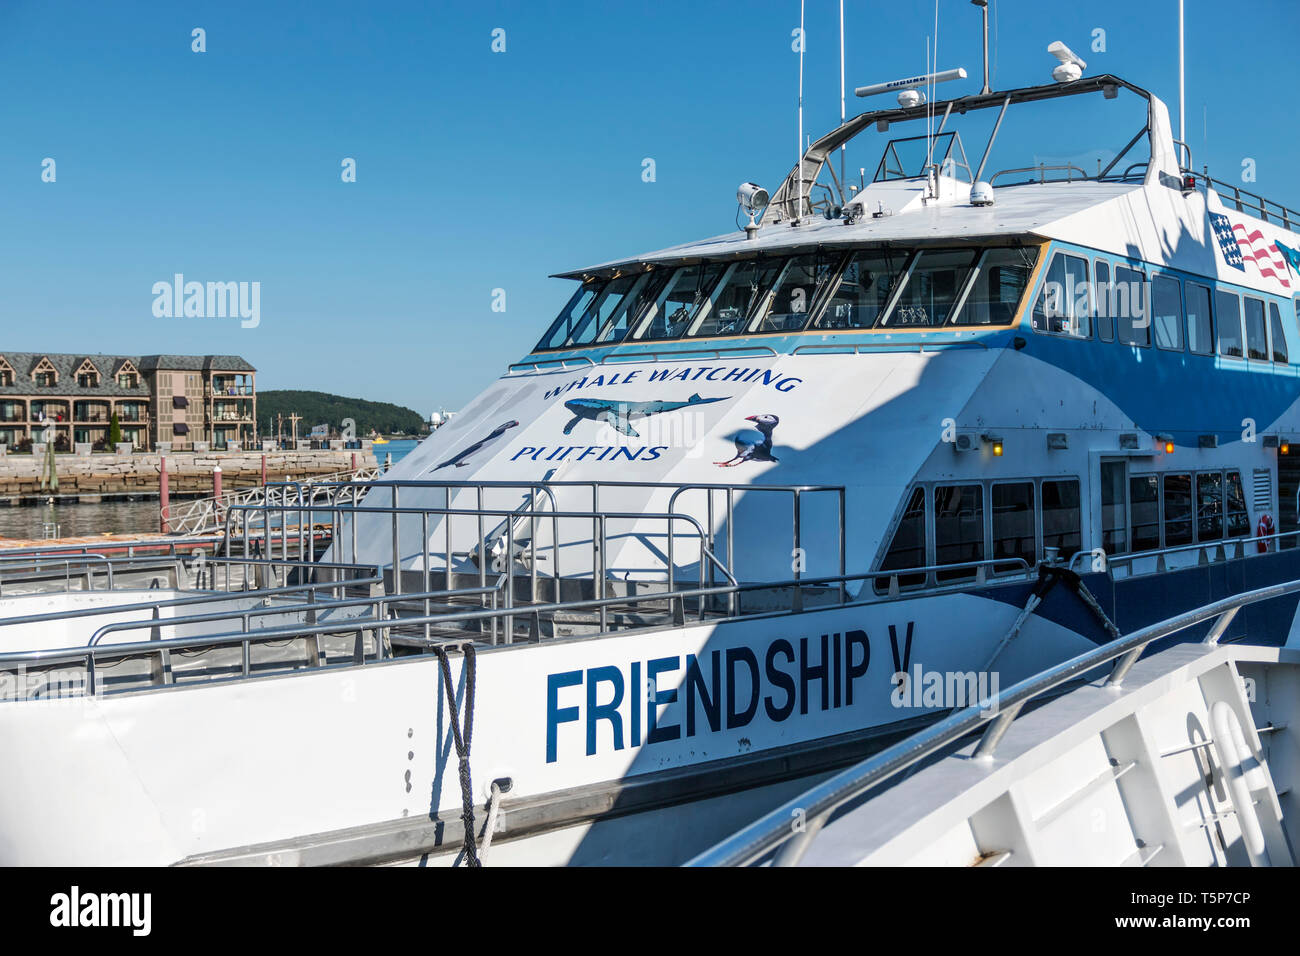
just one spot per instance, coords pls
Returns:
(66, 365)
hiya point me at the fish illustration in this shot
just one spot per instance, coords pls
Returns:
(751, 445)
(462, 459)
(621, 414)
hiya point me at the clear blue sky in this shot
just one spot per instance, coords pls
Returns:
(478, 170)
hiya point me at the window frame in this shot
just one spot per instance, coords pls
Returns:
(1042, 289)
(1246, 301)
(1209, 305)
(1097, 263)
(1219, 292)
(1180, 318)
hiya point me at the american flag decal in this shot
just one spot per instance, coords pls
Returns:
(1240, 245)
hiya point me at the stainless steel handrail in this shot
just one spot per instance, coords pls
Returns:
(1128, 557)
(994, 717)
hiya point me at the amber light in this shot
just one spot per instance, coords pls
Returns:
(1169, 448)
(997, 449)
(1285, 449)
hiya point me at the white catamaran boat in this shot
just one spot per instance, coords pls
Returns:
(665, 573)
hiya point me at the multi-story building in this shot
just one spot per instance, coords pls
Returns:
(181, 399)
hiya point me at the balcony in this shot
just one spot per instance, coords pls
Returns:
(231, 389)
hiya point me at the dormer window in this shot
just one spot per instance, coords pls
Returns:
(87, 375)
(44, 374)
(6, 378)
(127, 380)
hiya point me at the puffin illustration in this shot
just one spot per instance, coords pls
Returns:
(754, 446)
(460, 460)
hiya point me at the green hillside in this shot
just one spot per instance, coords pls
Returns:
(322, 408)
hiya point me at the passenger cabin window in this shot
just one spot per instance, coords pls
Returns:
(1133, 325)
(1178, 510)
(1238, 519)
(799, 288)
(1200, 327)
(1167, 312)
(1209, 506)
(1144, 508)
(1062, 516)
(958, 529)
(998, 286)
(863, 292)
(746, 285)
(1276, 334)
(907, 549)
(1227, 321)
(930, 288)
(1256, 331)
(1013, 522)
(683, 297)
(1062, 306)
(1114, 519)
(1101, 308)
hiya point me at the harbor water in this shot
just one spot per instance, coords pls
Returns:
(139, 516)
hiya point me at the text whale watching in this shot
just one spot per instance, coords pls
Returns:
(891, 460)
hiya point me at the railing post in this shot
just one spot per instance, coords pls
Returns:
(164, 495)
(989, 742)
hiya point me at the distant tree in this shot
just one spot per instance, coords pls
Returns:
(322, 408)
(114, 430)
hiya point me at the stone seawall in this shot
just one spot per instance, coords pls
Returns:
(189, 474)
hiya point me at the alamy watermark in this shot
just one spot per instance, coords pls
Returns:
(208, 300)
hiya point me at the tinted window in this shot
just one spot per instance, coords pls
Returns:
(1209, 506)
(1114, 520)
(907, 550)
(1200, 327)
(864, 290)
(1000, 281)
(1062, 304)
(679, 301)
(1256, 331)
(1144, 502)
(1238, 520)
(1128, 305)
(1061, 516)
(1227, 321)
(1013, 521)
(573, 316)
(1167, 313)
(1276, 335)
(798, 289)
(629, 311)
(738, 297)
(1178, 510)
(958, 528)
(1101, 310)
(930, 292)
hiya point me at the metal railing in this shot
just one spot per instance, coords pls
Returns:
(203, 514)
(774, 832)
(1213, 552)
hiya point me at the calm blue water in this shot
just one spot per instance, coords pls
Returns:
(398, 448)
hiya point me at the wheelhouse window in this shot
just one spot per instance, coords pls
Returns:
(930, 288)
(628, 311)
(746, 285)
(1063, 306)
(1167, 312)
(859, 300)
(1128, 305)
(799, 288)
(1276, 334)
(681, 300)
(1227, 309)
(1256, 330)
(1101, 308)
(958, 529)
(573, 317)
(996, 288)
(1200, 326)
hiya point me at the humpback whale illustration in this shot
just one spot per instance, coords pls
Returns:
(621, 414)
(754, 446)
(461, 459)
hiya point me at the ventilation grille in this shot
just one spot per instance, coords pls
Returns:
(1263, 490)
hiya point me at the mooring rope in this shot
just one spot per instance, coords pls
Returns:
(462, 742)
(1048, 577)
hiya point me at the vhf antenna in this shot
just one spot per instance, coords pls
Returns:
(984, 8)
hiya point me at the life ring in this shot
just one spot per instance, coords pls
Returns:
(1263, 530)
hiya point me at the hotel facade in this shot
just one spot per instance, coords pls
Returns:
(178, 399)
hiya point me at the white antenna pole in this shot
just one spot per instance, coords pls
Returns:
(1181, 98)
(803, 42)
(842, 145)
